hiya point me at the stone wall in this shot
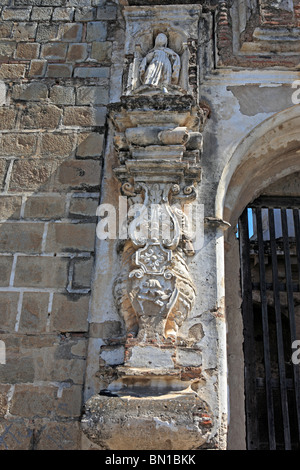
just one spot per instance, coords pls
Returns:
(55, 58)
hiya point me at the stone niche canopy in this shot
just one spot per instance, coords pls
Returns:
(153, 400)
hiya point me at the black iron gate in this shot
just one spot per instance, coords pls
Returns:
(269, 233)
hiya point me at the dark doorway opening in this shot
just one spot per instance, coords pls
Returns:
(269, 234)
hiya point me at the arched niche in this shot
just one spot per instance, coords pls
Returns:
(263, 160)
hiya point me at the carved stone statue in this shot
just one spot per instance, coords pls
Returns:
(161, 66)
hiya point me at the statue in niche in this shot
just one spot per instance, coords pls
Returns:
(160, 68)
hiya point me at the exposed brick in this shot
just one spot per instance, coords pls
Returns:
(18, 145)
(34, 312)
(62, 95)
(90, 145)
(59, 71)
(21, 237)
(84, 116)
(70, 313)
(8, 310)
(37, 116)
(7, 118)
(10, 207)
(27, 50)
(34, 91)
(45, 271)
(64, 237)
(77, 52)
(57, 144)
(12, 71)
(45, 207)
(30, 402)
(78, 174)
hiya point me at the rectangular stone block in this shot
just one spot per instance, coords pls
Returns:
(31, 401)
(56, 144)
(85, 14)
(15, 435)
(8, 309)
(77, 52)
(16, 14)
(7, 50)
(70, 402)
(64, 237)
(21, 237)
(37, 68)
(24, 31)
(4, 389)
(63, 14)
(59, 436)
(54, 51)
(101, 51)
(32, 175)
(82, 207)
(107, 12)
(96, 31)
(42, 272)
(84, 116)
(18, 145)
(89, 145)
(34, 313)
(36, 116)
(59, 71)
(94, 95)
(34, 91)
(82, 275)
(70, 313)
(62, 95)
(41, 13)
(12, 71)
(77, 174)
(46, 32)
(10, 207)
(70, 32)
(27, 50)
(45, 207)
(92, 72)
(7, 118)
(5, 270)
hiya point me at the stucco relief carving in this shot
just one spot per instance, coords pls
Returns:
(155, 292)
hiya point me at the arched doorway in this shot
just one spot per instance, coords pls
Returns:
(269, 154)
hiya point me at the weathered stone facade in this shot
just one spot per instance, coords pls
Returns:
(80, 126)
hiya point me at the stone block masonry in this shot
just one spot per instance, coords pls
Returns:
(55, 60)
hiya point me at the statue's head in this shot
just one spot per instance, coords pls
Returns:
(161, 40)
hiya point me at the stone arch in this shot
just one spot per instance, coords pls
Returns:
(270, 152)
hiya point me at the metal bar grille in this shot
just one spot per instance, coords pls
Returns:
(269, 233)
